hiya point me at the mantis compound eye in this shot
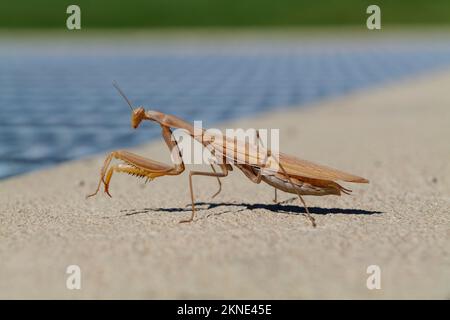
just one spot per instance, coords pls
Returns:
(137, 116)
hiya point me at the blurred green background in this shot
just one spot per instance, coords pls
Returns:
(218, 13)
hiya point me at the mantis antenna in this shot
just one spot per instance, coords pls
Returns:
(122, 94)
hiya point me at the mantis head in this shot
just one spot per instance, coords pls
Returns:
(139, 114)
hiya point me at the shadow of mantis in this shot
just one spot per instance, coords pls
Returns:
(281, 207)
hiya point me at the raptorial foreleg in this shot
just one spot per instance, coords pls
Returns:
(140, 166)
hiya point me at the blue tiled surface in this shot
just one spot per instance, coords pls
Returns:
(56, 106)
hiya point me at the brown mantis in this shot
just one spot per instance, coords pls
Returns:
(283, 172)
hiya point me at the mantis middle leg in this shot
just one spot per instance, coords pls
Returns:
(218, 175)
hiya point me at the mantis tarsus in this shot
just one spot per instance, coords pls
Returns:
(291, 175)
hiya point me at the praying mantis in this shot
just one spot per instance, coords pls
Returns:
(282, 172)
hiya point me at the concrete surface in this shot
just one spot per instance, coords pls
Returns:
(242, 245)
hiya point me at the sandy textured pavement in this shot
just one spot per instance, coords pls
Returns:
(242, 245)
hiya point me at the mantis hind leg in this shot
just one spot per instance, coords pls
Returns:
(275, 199)
(269, 154)
(308, 214)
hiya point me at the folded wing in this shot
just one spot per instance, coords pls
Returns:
(253, 154)
(303, 168)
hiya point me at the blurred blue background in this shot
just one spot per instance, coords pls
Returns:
(199, 59)
(57, 102)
